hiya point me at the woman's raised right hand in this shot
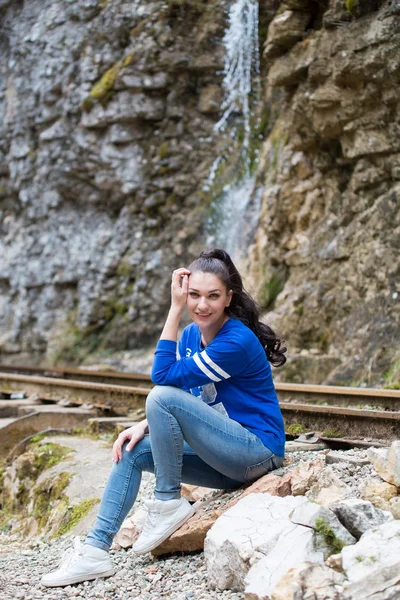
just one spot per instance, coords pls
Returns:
(179, 287)
(134, 434)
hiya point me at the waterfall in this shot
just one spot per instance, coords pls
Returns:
(234, 217)
(242, 64)
(234, 212)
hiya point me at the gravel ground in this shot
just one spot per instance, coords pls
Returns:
(146, 577)
(350, 474)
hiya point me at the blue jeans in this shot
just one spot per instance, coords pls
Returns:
(188, 442)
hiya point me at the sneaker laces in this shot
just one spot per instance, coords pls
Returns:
(72, 555)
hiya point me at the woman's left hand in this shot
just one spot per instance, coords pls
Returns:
(179, 288)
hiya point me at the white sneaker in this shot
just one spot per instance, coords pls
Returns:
(80, 563)
(163, 518)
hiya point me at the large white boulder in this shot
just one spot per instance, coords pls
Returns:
(257, 529)
(295, 545)
(372, 566)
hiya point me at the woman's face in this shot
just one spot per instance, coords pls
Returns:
(207, 300)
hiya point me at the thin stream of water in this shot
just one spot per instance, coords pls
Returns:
(235, 212)
(242, 64)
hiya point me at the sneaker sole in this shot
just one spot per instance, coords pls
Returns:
(72, 580)
(166, 535)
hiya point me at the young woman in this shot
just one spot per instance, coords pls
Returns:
(213, 418)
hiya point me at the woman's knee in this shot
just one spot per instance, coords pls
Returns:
(158, 397)
(140, 455)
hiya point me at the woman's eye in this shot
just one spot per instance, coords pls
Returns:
(193, 294)
(214, 296)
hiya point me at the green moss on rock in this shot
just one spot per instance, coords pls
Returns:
(74, 514)
(124, 269)
(103, 89)
(270, 290)
(48, 455)
(164, 150)
(106, 83)
(351, 6)
(295, 429)
(332, 541)
(333, 433)
(45, 494)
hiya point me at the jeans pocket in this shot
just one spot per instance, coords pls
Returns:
(256, 471)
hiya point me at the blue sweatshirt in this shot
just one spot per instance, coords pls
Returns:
(232, 374)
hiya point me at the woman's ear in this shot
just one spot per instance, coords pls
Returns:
(229, 299)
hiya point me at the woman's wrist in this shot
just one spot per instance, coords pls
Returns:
(176, 311)
(171, 327)
(145, 426)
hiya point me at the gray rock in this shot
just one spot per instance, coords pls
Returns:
(285, 29)
(386, 462)
(325, 523)
(337, 457)
(359, 515)
(327, 489)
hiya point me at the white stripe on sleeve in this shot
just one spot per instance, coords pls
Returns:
(203, 368)
(213, 365)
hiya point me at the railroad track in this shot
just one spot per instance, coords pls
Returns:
(368, 398)
(341, 412)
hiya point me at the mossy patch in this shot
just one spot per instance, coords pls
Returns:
(45, 494)
(48, 455)
(164, 150)
(73, 343)
(324, 340)
(334, 544)
(105, 84)
(5, 517)
(22, 496)
(270, 290)
(103, 89)
(332, 433)
(392, 376)
(124, 269)
(91, 431)
(37, 438)
(295, 429)
(74, 514)
(351, 6)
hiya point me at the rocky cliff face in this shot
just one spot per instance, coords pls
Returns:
(107, 112)
(107, 137)
(330, 220)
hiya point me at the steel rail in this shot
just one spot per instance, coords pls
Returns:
(117, 398)
(339, 420)
(288, 392)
